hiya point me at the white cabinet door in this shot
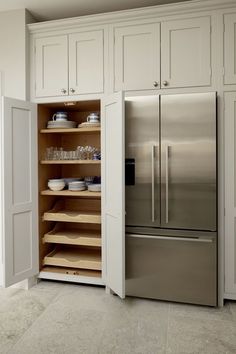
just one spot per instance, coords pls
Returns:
(113, 192)
(230, 48)
(51, 66)
(230, 193)
(19, 190)
(186, 52)
(86, 62)
(137, 57)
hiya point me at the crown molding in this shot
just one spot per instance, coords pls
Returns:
(132, 14)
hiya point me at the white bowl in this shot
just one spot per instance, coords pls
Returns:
(94, 187)
(56, 186)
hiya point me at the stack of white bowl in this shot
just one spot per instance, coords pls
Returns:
(77, 186)
(56, 184)
(94, 187)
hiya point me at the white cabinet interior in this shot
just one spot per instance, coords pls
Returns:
(69, 222)
(230, 48)
(70, 64)
(137, 57)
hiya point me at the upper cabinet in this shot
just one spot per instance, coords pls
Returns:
(186, 52)
(86, 62)
(70, 64)
(137, 57)
(51, 66)
(230, 48)
(182, 55)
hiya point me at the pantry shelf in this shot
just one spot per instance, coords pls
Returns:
(72, 130)
(74, 258)
(70, 162)
(67, 193)
(73, 237)
(73, 216)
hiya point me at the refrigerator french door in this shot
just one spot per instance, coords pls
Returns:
(171, 198)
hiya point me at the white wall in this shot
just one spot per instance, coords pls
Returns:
(14, 53)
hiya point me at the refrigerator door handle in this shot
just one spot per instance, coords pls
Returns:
(174, 238)
(153, 181)
(167, 183)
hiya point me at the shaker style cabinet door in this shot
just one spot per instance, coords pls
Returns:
(19, 190)
(137, 57)
(186, 52)
(230, 194)
(86, 62)
(230, 48)
(113, 176)
(51, 66)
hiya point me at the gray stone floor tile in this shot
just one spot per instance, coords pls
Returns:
(188, 335)
(202, 312)
(18, 310)
(62, 330)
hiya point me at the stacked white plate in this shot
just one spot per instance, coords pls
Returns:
(68, 180)
(77, 186)
(89, 125)
(56, 124)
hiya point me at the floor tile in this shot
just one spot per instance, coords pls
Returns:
(18, 310)
(188, 335)
(63, 330)
(202, 312)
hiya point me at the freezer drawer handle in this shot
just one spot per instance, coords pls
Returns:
(171, 238)
(167, 183)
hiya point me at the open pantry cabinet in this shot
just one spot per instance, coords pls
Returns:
(75, 236)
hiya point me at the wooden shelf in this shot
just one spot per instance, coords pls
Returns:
(70, 162)
(74, 258)
(73, 237)
(72, 130)
(72, 271)
(67, 193)
(90, 217)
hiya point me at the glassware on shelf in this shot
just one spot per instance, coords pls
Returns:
(81, 153)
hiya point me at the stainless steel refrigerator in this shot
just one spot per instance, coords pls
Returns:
(171, 197)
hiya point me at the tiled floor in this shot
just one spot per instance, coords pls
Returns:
(69, 319)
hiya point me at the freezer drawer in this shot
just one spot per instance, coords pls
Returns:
(172, 268)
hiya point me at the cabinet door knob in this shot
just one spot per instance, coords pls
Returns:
(155, 83)
(72, 90)
(165, 83)
(63, 90)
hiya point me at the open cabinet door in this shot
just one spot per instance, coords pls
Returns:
(19, 192)
(113, 192)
